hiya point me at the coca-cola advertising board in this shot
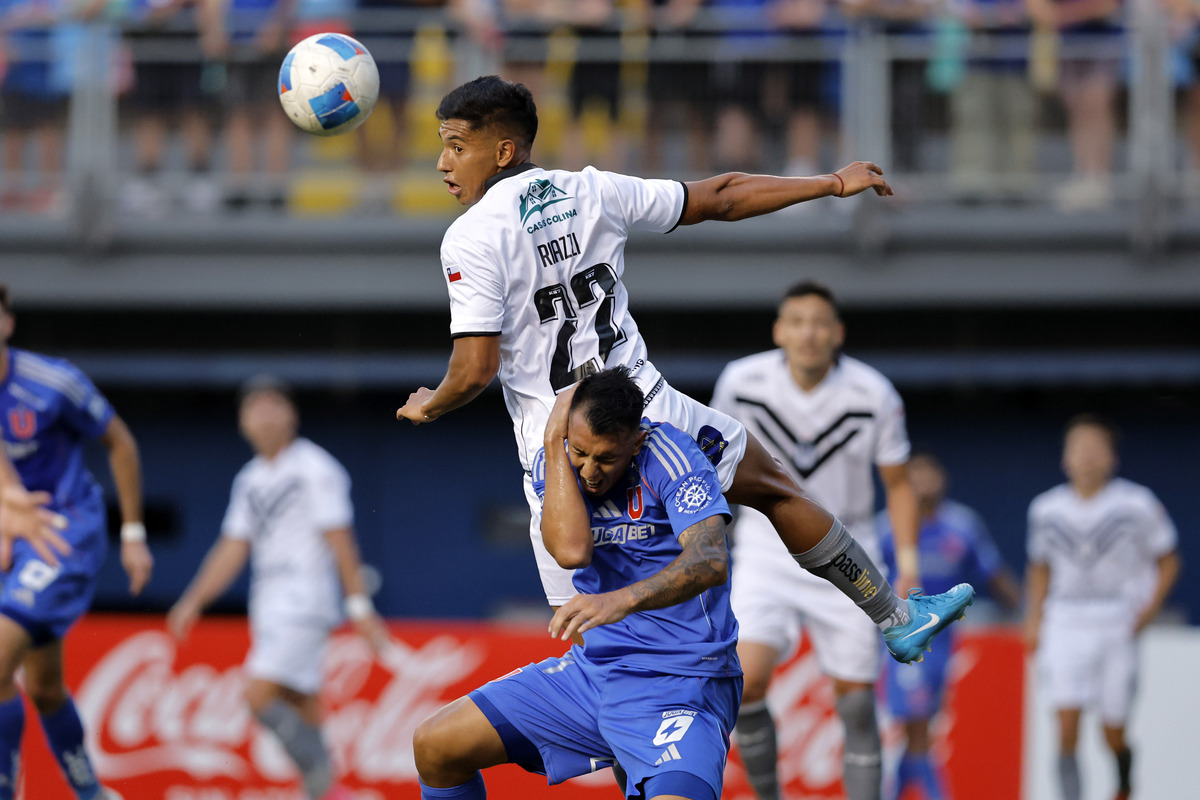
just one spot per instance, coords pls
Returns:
(167, 721)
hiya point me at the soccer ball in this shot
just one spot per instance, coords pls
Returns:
(328, 84)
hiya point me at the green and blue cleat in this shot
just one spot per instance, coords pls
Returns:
(928, 616)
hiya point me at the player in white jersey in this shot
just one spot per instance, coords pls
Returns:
(830, 420)
(290, 513)
(1102, 559)
(534, 270)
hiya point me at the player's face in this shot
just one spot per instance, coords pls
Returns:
(927, 480)
(809, 332)
(469, 157)
(1088, 455)
(268, 421)
(600, 461)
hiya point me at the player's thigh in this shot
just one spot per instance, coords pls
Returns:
(556, 581)
(287, 653)
(547, 716)
(721, 437)
(46, 599)
(845, 640)
(1069, 663)
(1118, 677)
(651, 721)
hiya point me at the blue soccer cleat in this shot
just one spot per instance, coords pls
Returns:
(908, 643)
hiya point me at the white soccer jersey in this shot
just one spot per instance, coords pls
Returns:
(283, 507)
(1103, 549)
(828, 439)
(539, 261)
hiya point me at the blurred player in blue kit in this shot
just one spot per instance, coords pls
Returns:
(954, 547)
(635, 509)
(48, 409)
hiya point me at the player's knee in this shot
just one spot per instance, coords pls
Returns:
(432, 752)
(754, 688)
(47, 696)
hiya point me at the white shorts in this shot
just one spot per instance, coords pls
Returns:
(773, 596)
(1089, 661)
(288, 653)
(667, 405)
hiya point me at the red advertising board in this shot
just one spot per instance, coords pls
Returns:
(167, 722)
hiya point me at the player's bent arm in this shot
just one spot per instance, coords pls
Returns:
(474, 362)
(1168, 573)
(221, 566)
(1037, 583)
(126, 466)
(1004, 588)
(906, 523)
(566, 526)
(703, 564)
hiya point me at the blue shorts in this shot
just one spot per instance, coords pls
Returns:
(914, 691)
(46, 600)
(569, 716)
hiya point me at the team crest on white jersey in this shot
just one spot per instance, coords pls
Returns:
(693, 495)
(540, 194)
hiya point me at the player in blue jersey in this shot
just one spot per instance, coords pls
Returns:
(635, 508)
(954, 547)
(48, 409)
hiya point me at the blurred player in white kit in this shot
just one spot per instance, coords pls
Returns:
(290, 512)
(828, 419)
(1102, 559)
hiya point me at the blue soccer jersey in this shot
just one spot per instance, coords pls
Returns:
(955, 548)
(670, 486)
(48, 409)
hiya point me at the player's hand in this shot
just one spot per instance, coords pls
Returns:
(411, 410)
(863, 175)
(182, 618)
(556, 425)
(23, 515)
(374, 630)
(906, 581)
(138, 564)
(586, 611)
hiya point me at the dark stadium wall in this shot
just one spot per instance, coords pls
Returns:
(441, 515)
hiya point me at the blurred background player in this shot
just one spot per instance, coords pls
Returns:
(1102, 559)
(954, 547)
(252, 37)
(290, 508)
(828, 419)
(48, 409)
(168, 94)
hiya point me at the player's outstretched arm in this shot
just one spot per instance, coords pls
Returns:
(126, 466)
(736, 195)
(223, 563)
(703, 564)
(23, 515)
(474, 361)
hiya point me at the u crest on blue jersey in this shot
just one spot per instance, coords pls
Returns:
(633, 502)
(22, 423)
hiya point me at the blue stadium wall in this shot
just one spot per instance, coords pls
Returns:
(440, 511)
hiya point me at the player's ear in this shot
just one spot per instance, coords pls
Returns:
(641, 439)
(506, 153)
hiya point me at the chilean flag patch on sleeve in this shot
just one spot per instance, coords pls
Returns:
(453, 274)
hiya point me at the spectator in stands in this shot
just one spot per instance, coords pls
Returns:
(1088, 85)
(678, 87)
(251, 37)
(166, 94)
(909, 96)
(33, 105)
(992, 103)
(740, 82)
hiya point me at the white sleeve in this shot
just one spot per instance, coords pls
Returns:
(476, 287)
(330, 497)
(238, 523)
(892, 446)
(642, 204)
